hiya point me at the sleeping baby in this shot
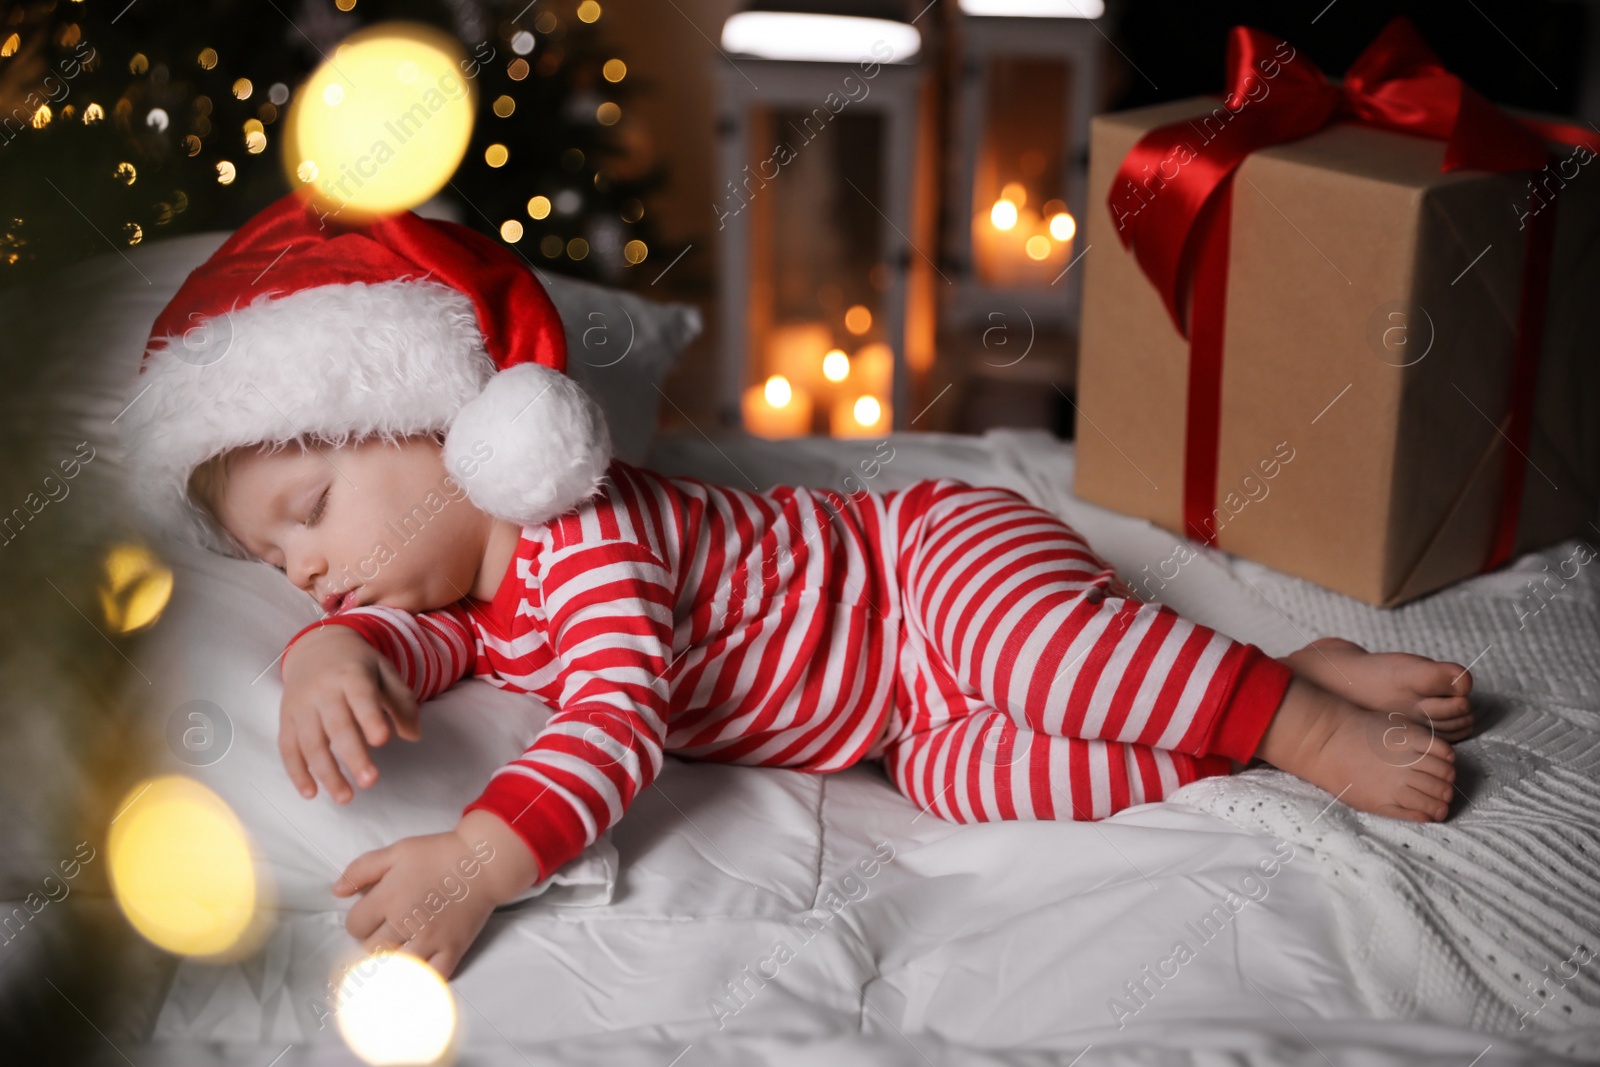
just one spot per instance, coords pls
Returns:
(406, 449)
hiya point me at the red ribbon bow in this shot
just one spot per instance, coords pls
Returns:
(1171, 203)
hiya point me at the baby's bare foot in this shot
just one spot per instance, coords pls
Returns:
(1421, 689)
(1367, 761)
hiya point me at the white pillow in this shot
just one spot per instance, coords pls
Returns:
(229, 619)
(212, 712)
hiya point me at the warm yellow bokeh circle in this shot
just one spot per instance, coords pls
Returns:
(135, 589)
(181, 867)
(395, 1009)
(383, 123)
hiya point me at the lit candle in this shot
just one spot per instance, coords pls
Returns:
(860, 415)
(776, 409)
(795, 350)
(1016, 245)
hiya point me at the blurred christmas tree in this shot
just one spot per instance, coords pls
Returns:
(126, 122)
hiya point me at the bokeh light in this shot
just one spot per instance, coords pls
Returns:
(386, 120)
(836, 365)
(394, 1009)
(867, 411)
(135, 588)
(182, 872)
(778, 391)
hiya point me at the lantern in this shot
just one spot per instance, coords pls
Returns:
(825, 304)
(1029, 82)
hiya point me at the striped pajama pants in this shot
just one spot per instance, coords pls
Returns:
(1034, 685)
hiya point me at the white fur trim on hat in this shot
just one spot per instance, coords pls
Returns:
(536, 443)
(341, 362)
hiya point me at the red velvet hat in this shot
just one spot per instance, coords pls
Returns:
(402, 325)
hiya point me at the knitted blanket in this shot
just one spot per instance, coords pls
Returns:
(1490, 919)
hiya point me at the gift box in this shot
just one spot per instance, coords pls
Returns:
(1321, 333)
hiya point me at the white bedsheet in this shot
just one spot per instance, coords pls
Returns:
(1005, 942)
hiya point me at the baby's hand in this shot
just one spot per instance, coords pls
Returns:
(431, 895)
(332, 681)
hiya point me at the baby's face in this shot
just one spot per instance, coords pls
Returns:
(382, 520)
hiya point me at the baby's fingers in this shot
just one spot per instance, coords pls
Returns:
(295, 763)
(401, 702)
(369, 714)
(346, 740)
(314, 746)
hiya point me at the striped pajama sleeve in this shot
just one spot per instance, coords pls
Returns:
(609, 605)
(432, 650)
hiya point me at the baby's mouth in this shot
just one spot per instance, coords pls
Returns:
(334, 603)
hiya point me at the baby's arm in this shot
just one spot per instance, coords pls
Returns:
(341, 674)
(609, 606)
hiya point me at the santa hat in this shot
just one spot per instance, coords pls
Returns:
(297, 325)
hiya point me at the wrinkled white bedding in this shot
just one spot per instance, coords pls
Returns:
(927, 942)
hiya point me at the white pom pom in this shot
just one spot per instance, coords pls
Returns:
(531, 446)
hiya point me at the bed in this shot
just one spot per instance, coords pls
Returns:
(1316, 935)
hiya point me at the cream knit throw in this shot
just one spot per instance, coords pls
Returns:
(1490, 919)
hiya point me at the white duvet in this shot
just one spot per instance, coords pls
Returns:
(763, 915)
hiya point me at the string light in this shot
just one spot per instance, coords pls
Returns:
(635, 252)
(588, 11)
(614, 70)
(539, 207)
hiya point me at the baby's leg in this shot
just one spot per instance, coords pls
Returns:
(1013, 603)
(985, 768)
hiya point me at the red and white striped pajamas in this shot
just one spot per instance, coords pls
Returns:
(968, 638)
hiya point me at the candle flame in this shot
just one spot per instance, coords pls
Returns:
(778, 392)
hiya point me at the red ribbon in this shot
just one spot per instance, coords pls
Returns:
(1172, 203)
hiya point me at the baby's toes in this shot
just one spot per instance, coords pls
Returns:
(1397, 811)
(1431, 678)
(1449, 712)
(1423, 800)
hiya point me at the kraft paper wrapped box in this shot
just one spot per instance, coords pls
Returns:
(1367, 341)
